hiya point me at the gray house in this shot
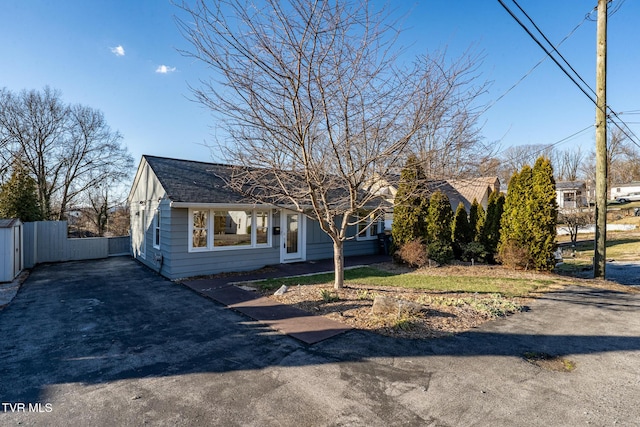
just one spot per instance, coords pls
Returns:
(186, 222)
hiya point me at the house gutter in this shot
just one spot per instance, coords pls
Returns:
(218, 205)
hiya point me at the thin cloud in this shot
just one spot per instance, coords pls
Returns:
(163, 69)
(118, 50)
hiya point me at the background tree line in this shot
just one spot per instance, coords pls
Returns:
(571, 164)
(56, 157)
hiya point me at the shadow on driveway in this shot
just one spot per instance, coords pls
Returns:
(96, 322)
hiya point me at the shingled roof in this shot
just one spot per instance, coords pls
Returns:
(194, 182)
(188, 181)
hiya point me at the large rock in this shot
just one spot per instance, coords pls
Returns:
(388, 305)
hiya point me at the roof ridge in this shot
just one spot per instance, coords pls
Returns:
(147, 156)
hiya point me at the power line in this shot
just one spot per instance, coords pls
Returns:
(627, 132)
(539, 43)
(554, 47)
(538, 63)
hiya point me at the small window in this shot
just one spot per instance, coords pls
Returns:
(369, 227)
(262, 227)
(156, 230)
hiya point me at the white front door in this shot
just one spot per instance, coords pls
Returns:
(292, 244)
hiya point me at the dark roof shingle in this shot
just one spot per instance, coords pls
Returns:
(194, 182)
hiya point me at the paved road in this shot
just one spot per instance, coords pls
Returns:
(111, 343)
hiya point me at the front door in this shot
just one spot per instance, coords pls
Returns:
(292, 237)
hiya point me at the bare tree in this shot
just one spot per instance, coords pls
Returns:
(315, 101)
(574, 220)
(568, 163)
(67, 149)
(623, 160)
(450, 144)
(514, 158)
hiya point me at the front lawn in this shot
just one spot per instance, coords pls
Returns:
(422, 280)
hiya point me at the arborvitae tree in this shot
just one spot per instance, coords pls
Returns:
(490, 231)
(461, 232)
(19, 197)
(439, 219)
(544, 215)
(529, 220)
(410, 205)
(476, 220)
(512, 248)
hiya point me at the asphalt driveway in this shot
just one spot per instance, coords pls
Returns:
(109, 342)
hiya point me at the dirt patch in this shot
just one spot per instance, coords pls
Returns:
(549, 363)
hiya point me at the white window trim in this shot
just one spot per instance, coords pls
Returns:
(143, 222)
(379, 224)
(157, 229)
(210, 225)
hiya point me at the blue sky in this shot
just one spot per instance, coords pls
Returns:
(121, 56)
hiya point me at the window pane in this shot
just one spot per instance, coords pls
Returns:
(262, 228)
(373, 230)
(232, 228)
(200, 231)
(199, 238)
(292, 233)
(200, 219)
(156, 240)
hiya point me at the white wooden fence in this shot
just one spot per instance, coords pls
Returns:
(47, 241)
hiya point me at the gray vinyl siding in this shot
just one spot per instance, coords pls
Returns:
(320, 245)
(178, 262)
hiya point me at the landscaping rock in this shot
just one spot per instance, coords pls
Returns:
(282, 290)
(386, 305)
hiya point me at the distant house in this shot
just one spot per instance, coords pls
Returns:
(185, 221)
(458, 191)
(621, 190)
(476, 189)
(571, 195)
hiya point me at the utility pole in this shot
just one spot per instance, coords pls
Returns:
(599, 258)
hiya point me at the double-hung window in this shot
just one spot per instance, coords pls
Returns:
(226, 229)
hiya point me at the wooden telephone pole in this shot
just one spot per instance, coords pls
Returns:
(599, 258)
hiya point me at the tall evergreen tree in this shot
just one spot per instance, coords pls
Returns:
(490, 231)
(19, 197)
(439, 221)
(410, 205)
(529, 220)
(461, 231)
(544, 214)
(476, 220)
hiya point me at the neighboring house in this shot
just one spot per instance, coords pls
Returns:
(621, 190)
(185, 221)
(476, 188)
(571, 195)
(460, 190)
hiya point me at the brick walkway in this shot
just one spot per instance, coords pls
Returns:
(294, 322)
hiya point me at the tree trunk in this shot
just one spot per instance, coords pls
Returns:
(338, 262)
